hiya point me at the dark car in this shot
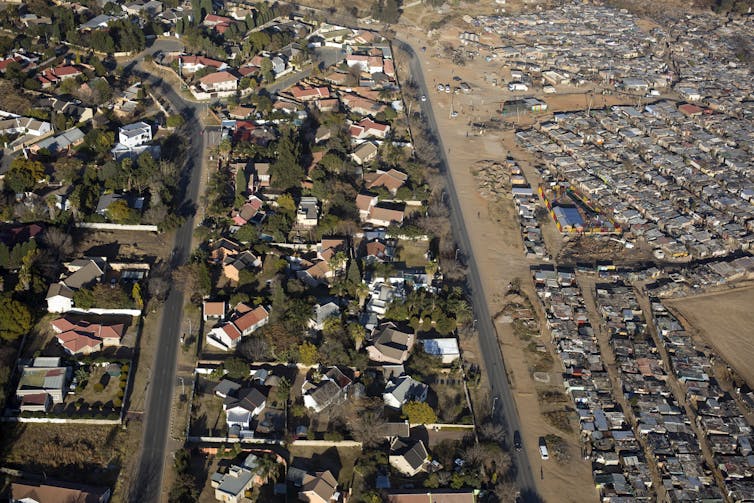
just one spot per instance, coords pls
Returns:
(517, 440)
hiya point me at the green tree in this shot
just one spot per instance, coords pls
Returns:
(15, 318)
(120, 213)
(24, 174)
(419, 413)
(307, 353)
(237, 368)
(286, 171)
(247, 233)
(137, 296)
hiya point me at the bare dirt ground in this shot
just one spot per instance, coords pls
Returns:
(498, 249)
(724, 321)
(122, 244)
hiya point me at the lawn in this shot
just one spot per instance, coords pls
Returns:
(413, 252)
(100, 388)
(207, 416)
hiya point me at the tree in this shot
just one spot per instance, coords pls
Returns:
(286, 171)
(24, 174)
(307, 353)
(175, 121)
(136, 296)
(15, 318)
(419, 413)
(357, 333)
(237, 368)
(120, 213)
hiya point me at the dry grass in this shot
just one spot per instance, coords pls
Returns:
(340, 461)
(412, 252)
(724, 321)
(91, 454)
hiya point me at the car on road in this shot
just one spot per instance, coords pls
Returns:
(543, 453)
(423, 98)
(517, 440)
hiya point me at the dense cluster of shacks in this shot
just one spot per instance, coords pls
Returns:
(575, 43)
(663, 175)
(659, 437)
(718, 416)
(619, 465)
(676, 173)
(663, 424)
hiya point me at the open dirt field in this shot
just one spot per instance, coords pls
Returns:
(724, 321)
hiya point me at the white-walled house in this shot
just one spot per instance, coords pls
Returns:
(134, 135)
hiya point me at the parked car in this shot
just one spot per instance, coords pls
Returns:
(440, 87)
(517, 440)
(543, 453)
(447, 88)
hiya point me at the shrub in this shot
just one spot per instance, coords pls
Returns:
(98, 387)
(120, 394)
(118, 402)
(333, 436)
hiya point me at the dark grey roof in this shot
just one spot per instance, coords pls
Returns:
(413, 451)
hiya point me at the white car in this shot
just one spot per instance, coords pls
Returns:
(543, 453)
(440, 87)
(447, 88)
(454, 114)
(423, 98)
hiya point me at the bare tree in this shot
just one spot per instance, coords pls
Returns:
(59, 243)
(253, 349)
(506, 491)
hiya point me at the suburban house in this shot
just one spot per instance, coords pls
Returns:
(24, 126)
(408, 456)
(133, 140)
(319, 487)
(233, 265)
(390, 345)
(44, 376)
(302, 93)
(241, 406)
(244, 320)
(315, 273)
(218, 82)
(217, 23)
(385, 214)
(192, 64)
(232, 485)
(329, 247)
(214, 309)
(226, 387)
(60, 143)
(445, 348)
(262, 171)
(81, 337)
(53, 76)
(323, 312)
(307, 213)
(392, 180)
(49, 491)
(329, 389)
(364, 153)
(82, 273)
(223, 248)
(367, 128)
(400, 390)
(365, 203)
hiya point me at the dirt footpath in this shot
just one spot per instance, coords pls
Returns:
(498, 250)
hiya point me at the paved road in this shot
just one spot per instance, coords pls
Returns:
(148, 484)
(505, 405)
